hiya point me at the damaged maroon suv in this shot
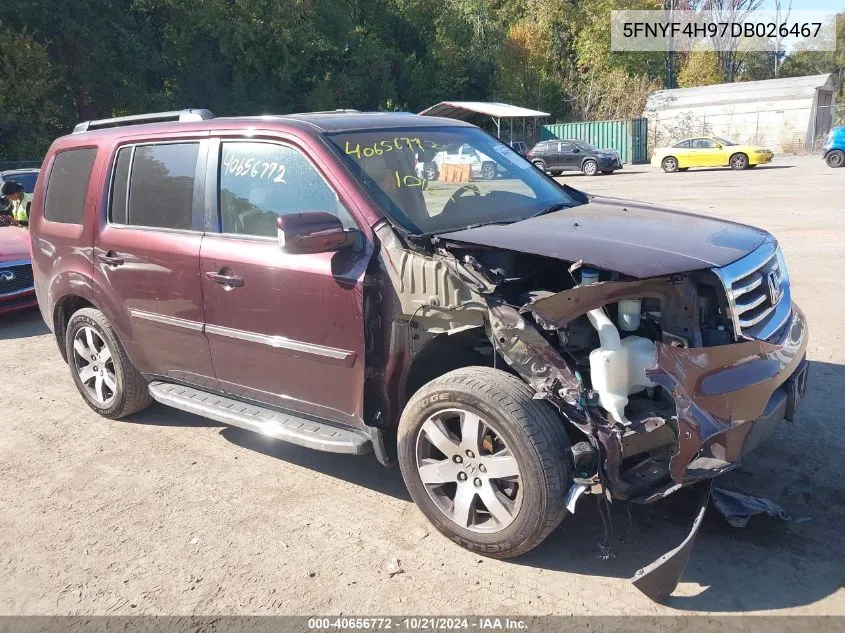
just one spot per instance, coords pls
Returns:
(513, 343)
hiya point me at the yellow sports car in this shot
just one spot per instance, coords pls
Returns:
(709, 151)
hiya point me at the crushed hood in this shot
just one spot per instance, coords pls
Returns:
(633, 238)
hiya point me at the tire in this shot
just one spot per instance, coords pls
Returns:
(128, 391)
(556, 172)
(835, 159)
(539, 164)
(430, 171)
(738, 161)
(590, 167)
(669, 164)
(533, 436)
(488, 171)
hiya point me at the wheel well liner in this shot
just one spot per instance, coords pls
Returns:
(62, 311)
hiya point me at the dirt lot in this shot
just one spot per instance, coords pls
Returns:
(168, 513)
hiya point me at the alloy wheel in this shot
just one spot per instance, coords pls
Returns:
(94, 364)
(468, 471)
(590, 168)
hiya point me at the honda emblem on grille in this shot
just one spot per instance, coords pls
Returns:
(774, 287)
(7, 275)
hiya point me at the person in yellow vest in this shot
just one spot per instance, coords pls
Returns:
(15, 203)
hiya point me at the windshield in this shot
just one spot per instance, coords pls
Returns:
(439, 179)
(723, 141)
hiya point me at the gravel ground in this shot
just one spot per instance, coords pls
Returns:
(168, 513)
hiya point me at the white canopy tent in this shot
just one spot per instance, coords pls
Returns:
(463, 110)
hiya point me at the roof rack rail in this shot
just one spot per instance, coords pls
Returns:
(152, 117)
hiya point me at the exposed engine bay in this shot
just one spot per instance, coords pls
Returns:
(610, 349)
(658, 389)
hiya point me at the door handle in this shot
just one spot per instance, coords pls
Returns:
(111, 258)
(225, 278)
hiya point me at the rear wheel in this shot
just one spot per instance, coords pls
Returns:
(669, 164)
(556, 172)
(590, 167)
(738, 161)
(835, 159)
(486, 463)
(539, 164)
(101, 370)
(430, 171)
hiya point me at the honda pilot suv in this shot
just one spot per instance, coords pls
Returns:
(513, 343)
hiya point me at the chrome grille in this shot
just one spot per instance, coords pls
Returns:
(15, 277)
(758, 292)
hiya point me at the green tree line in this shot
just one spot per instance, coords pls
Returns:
(72, 60)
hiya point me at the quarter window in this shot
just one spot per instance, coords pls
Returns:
(261, 181)
(68, 185)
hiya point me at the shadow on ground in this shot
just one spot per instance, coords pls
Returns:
(768, 565)
(23, 324)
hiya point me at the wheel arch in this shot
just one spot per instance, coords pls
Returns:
(63, 309)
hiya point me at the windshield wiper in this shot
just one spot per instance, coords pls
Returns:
(557, 206)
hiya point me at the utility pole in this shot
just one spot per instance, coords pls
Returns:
(669, 76)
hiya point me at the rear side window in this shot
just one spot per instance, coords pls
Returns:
(153, 186)
(68, 185)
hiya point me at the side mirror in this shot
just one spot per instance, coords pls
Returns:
(718, 146)
(311, 232)
(575, 150)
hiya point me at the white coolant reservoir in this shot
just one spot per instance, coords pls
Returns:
(617, 366)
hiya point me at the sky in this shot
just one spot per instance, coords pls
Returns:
(807, 5)
(804, 5)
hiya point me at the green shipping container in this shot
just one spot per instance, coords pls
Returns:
(626, 137)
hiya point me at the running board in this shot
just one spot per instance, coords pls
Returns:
(320, 436)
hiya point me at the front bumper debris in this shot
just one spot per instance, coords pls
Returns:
(659, 579)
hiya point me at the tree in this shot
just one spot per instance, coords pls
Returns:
(701, 68)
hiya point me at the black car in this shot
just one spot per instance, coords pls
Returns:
(559, 155)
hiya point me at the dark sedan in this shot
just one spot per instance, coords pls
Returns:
(559, 155)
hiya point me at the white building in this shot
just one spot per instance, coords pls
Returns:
(785, 115)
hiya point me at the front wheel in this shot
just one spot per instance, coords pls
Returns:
(738, 161)
(539, 165)
(485, 462)
(101, 370)
(556, 172)
(835, 159)
(590, 167)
